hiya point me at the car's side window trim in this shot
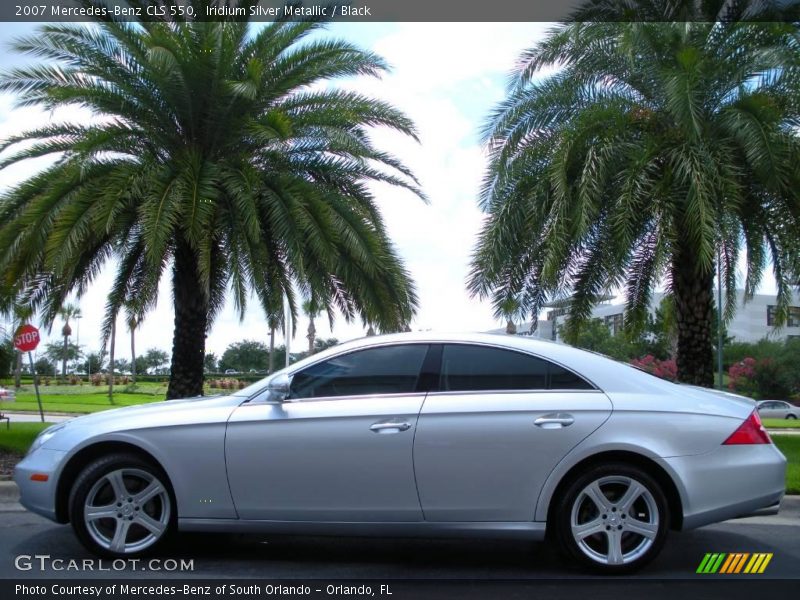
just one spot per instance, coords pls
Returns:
(436, 389)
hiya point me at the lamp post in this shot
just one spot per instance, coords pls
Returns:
(719, 320)
(287, 316)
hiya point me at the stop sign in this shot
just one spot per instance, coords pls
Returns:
(27, 338)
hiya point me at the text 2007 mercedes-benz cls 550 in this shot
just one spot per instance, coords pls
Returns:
(417, 435)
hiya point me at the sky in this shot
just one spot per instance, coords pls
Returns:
(446, 77)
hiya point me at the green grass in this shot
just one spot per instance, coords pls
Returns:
(83, 399)
(781, 423)
(790, 446)
(79, 406)
(19, 436)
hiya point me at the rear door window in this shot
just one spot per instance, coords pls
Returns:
(468, 367)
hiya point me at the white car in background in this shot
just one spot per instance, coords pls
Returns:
(777, 409)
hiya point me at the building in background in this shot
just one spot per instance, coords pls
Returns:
(753, 321)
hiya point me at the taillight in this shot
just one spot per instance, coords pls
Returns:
(749, 432)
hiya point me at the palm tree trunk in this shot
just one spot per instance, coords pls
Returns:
(693, 293)
(312, 335)
(191, 321)
(271, 350)
(112, 343)
(64, 359)
(18, 371)
(133, 355)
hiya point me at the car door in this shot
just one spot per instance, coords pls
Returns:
(494, 429)
(339, 448)
(781, 410)
(769, 410)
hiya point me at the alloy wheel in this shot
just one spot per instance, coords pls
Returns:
(127, 510)
(614, 520)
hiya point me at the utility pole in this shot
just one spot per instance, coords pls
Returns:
(719, 321)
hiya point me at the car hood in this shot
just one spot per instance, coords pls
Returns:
(169, 413)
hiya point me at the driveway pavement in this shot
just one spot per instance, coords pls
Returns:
(284, 557)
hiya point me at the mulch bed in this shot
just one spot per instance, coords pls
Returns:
(7, 461)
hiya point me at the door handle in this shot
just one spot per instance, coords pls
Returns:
(554, 421)
(389, 427)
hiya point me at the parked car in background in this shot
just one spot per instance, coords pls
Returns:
(418, 434)
(231, 372)
(777, 409)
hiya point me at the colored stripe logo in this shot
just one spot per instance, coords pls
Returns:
(734, 563)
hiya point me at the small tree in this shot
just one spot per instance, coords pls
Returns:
(67, 312)
(210, 363)
(244, 356)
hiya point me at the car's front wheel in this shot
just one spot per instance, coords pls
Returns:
(790, 416)
(614, 518)
(121, 506)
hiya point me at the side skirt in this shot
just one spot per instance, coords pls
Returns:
(493, 530)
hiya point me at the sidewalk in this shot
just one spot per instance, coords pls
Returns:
(33, 417)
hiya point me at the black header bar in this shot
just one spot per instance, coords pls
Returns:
(398, 10)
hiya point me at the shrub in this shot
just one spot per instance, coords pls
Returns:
(665, 369)
(760, 378)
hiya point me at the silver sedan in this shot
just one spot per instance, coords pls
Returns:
(418, 435)
(777, 409)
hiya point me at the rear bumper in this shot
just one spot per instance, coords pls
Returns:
(730, 482)
(767, 511)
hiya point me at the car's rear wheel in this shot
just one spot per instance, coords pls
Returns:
(613, 518)
(122, 506)
(790, 416)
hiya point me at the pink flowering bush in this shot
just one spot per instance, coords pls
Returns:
(665, 369)
(762, 378)
(741, 375)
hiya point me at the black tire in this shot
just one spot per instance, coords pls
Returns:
(159, 512)
(790, 416)
(652, 515)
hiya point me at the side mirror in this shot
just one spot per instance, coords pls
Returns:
(278, 387)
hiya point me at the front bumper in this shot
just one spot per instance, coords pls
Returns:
(39, 496)
(730, 482)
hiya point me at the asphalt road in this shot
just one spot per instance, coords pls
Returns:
(220, 556)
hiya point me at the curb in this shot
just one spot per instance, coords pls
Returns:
(9, 492)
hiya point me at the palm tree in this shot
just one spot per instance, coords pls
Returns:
(112, 344)
(20, 315)
(312, 308)
(273, 326)
(509, 308)
(222, 155)
(133, 323)
(653, 145)
(67, 312)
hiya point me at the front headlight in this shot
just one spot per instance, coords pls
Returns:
(45, 435)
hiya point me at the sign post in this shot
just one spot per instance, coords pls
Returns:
(25, 340)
